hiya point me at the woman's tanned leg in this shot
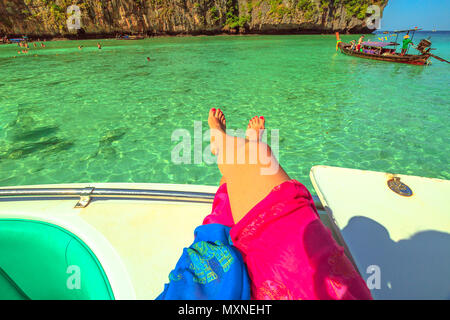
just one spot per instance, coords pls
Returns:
(248, 165)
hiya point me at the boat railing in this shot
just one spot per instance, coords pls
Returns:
(87, 194)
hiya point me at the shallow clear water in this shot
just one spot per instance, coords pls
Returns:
(108, 115)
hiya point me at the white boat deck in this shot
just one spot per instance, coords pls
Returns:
(406, 237)
(138, 242)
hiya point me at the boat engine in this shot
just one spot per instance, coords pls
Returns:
(424, 46)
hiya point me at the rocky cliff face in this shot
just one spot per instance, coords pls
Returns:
(102, 17)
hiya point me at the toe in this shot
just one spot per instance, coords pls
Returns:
(262, 122)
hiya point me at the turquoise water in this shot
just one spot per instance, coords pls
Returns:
(70, 115)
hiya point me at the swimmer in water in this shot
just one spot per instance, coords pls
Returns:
(148, 58)
(42, 45)
(99, 45)
(80, 47)
(34, 44)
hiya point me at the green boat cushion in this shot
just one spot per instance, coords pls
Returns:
(39, 260)
(9, 289)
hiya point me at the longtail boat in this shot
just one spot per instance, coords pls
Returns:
(386, 51)
(130, 37)
(378, 51)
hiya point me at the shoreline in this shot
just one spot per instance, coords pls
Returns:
(112, 36)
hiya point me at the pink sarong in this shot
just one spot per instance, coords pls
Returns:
(289, 253)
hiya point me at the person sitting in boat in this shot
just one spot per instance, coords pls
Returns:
(360, 41)
(263, 222)
(406, 42)
(352, 44)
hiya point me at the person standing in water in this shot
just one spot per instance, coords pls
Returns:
(99, 46)
(406, 42)
(360, 41)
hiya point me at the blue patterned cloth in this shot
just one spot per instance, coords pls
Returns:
(210, 269)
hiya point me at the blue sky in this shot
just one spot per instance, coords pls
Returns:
(425, 14)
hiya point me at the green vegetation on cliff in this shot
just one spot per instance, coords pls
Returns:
(184, 16)
(358, 8)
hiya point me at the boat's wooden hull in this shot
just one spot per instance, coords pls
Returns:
(407, 59)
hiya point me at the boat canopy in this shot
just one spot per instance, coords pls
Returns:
(407, 30)
(378, 44)
(401, 31)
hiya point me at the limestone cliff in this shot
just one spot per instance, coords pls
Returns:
(150, 17)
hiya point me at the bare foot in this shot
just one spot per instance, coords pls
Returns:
(217, 124)
(255, 128)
